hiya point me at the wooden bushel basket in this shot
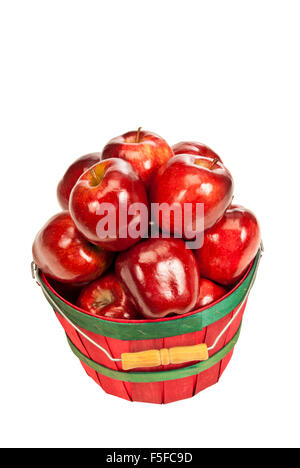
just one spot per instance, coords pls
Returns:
(184, 354)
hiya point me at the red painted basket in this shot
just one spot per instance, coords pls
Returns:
(103, 345)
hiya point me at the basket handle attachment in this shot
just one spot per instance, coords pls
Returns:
(153, 357)
(164, 357)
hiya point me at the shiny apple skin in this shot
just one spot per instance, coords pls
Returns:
(196, 148)
(229, 246)
(106, 297)
(193, 179)
(72, 175)
(145, 156)
(119, 180)
(161, 277)
(209, 292)
(63, 254)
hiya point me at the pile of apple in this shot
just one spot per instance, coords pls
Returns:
(122, 277)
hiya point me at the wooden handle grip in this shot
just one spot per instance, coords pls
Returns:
(163, 357)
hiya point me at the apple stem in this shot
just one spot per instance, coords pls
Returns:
(137, 138)
(94, 175)
(214, 163)
(101, 303)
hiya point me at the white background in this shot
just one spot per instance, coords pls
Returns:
(76, 73)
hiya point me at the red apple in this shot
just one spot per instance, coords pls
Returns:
(192, 179)
(106, 297)
(229, 246)
(209, 292)
(63, 254)
(145, 151)
(112, 182)
(71, 176)
(161, 277)
(193, 147)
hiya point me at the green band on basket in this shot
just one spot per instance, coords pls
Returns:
(153, 330)
(159, 376)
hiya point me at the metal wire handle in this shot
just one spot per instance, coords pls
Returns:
(36, 276)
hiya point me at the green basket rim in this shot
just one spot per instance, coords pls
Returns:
(189, 323)
(158, 376)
